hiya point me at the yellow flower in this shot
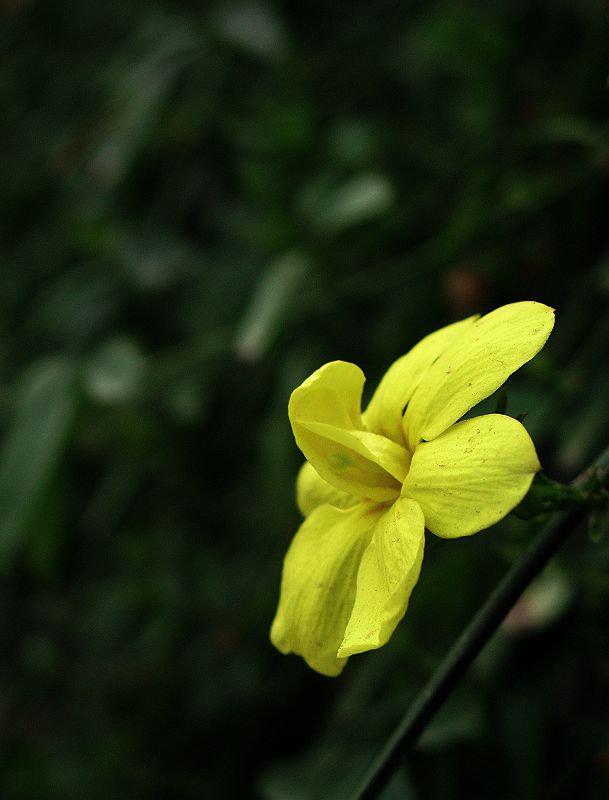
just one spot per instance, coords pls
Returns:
(373, 481)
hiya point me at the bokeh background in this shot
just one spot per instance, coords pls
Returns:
(202, 203)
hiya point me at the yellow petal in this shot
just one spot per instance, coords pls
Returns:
(386, 408)
(312, 491)
(388, 573)
(327, 425)
(475, 366)
(472, 475)
(318, 584)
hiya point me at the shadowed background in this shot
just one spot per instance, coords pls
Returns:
(202, 203)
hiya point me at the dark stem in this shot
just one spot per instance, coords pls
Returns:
(475, 636)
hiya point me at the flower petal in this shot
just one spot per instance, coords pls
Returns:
(386, 408)
(318, 584)
(327, 426)
(389, 570)
(475, 366)
(312, 491)
(472, 475)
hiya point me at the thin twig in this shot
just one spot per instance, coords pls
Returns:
(474, 637)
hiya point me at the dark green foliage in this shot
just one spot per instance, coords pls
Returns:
(201, 204)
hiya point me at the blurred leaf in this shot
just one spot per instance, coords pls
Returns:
(569, 129)
(165, 46)
(36, 434)
(544, 601)
(254, 27)
(114, 374)
(154, 261)
(270, 305)
(363, 198)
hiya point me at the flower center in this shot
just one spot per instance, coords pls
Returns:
(389, 455)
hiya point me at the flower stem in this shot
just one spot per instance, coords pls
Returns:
(477, 634)
(546, 496)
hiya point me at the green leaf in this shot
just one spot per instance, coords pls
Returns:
(115, 372)
(365, 197)
(36, 434)
(273, 298)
